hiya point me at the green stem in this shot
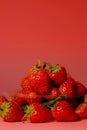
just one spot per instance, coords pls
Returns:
(50, 66)
(51, 103)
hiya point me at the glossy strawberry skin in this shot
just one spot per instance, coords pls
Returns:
(81, 90)
(3, 99)
(81, 111)
(63, 112)
(40, 82)
(68, 88)
(53, 93)
(58, 77)
(25, 83)
(40, 113)
(26, 96)
(14, 113)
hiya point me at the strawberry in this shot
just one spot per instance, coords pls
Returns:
(26, 96)
(39, 78)
(81, 110)
(68, 88)
(33, 70)
(40, 82)
(53, 93)
(25, 83)
(3, 99)
(11, 112)
(80, 89)
(37, 113)
(63, 111)
(57, 74)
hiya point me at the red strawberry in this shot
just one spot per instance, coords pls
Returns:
(68, 88)
(25, 83)
(37, 113)
(3, 99)
(54, 92)
(80, 89)
(26, 96)
(63, 111)
(81, 110)
(57, 74)
(33, 70)
(11, 112)
(40, 82)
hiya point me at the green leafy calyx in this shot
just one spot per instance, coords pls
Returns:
(28, 111)
(4, 109)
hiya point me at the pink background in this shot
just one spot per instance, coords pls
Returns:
(81, 125)
(54, 30)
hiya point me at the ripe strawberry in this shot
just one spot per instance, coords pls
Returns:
(68, 88)
(57, 74)
(81, 110)
(26, 96)
(80, 89)
(25, 83)
(63, 111)
(53, 93)
(11, 112)
(2, 99)
(33, 70)
(40, 82)
(37, 113)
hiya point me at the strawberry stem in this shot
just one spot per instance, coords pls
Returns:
(50, 66)
(38, 65)
(51, 103)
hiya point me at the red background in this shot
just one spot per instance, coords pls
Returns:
(54, 30)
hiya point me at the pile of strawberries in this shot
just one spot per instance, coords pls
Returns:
(48, 93)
